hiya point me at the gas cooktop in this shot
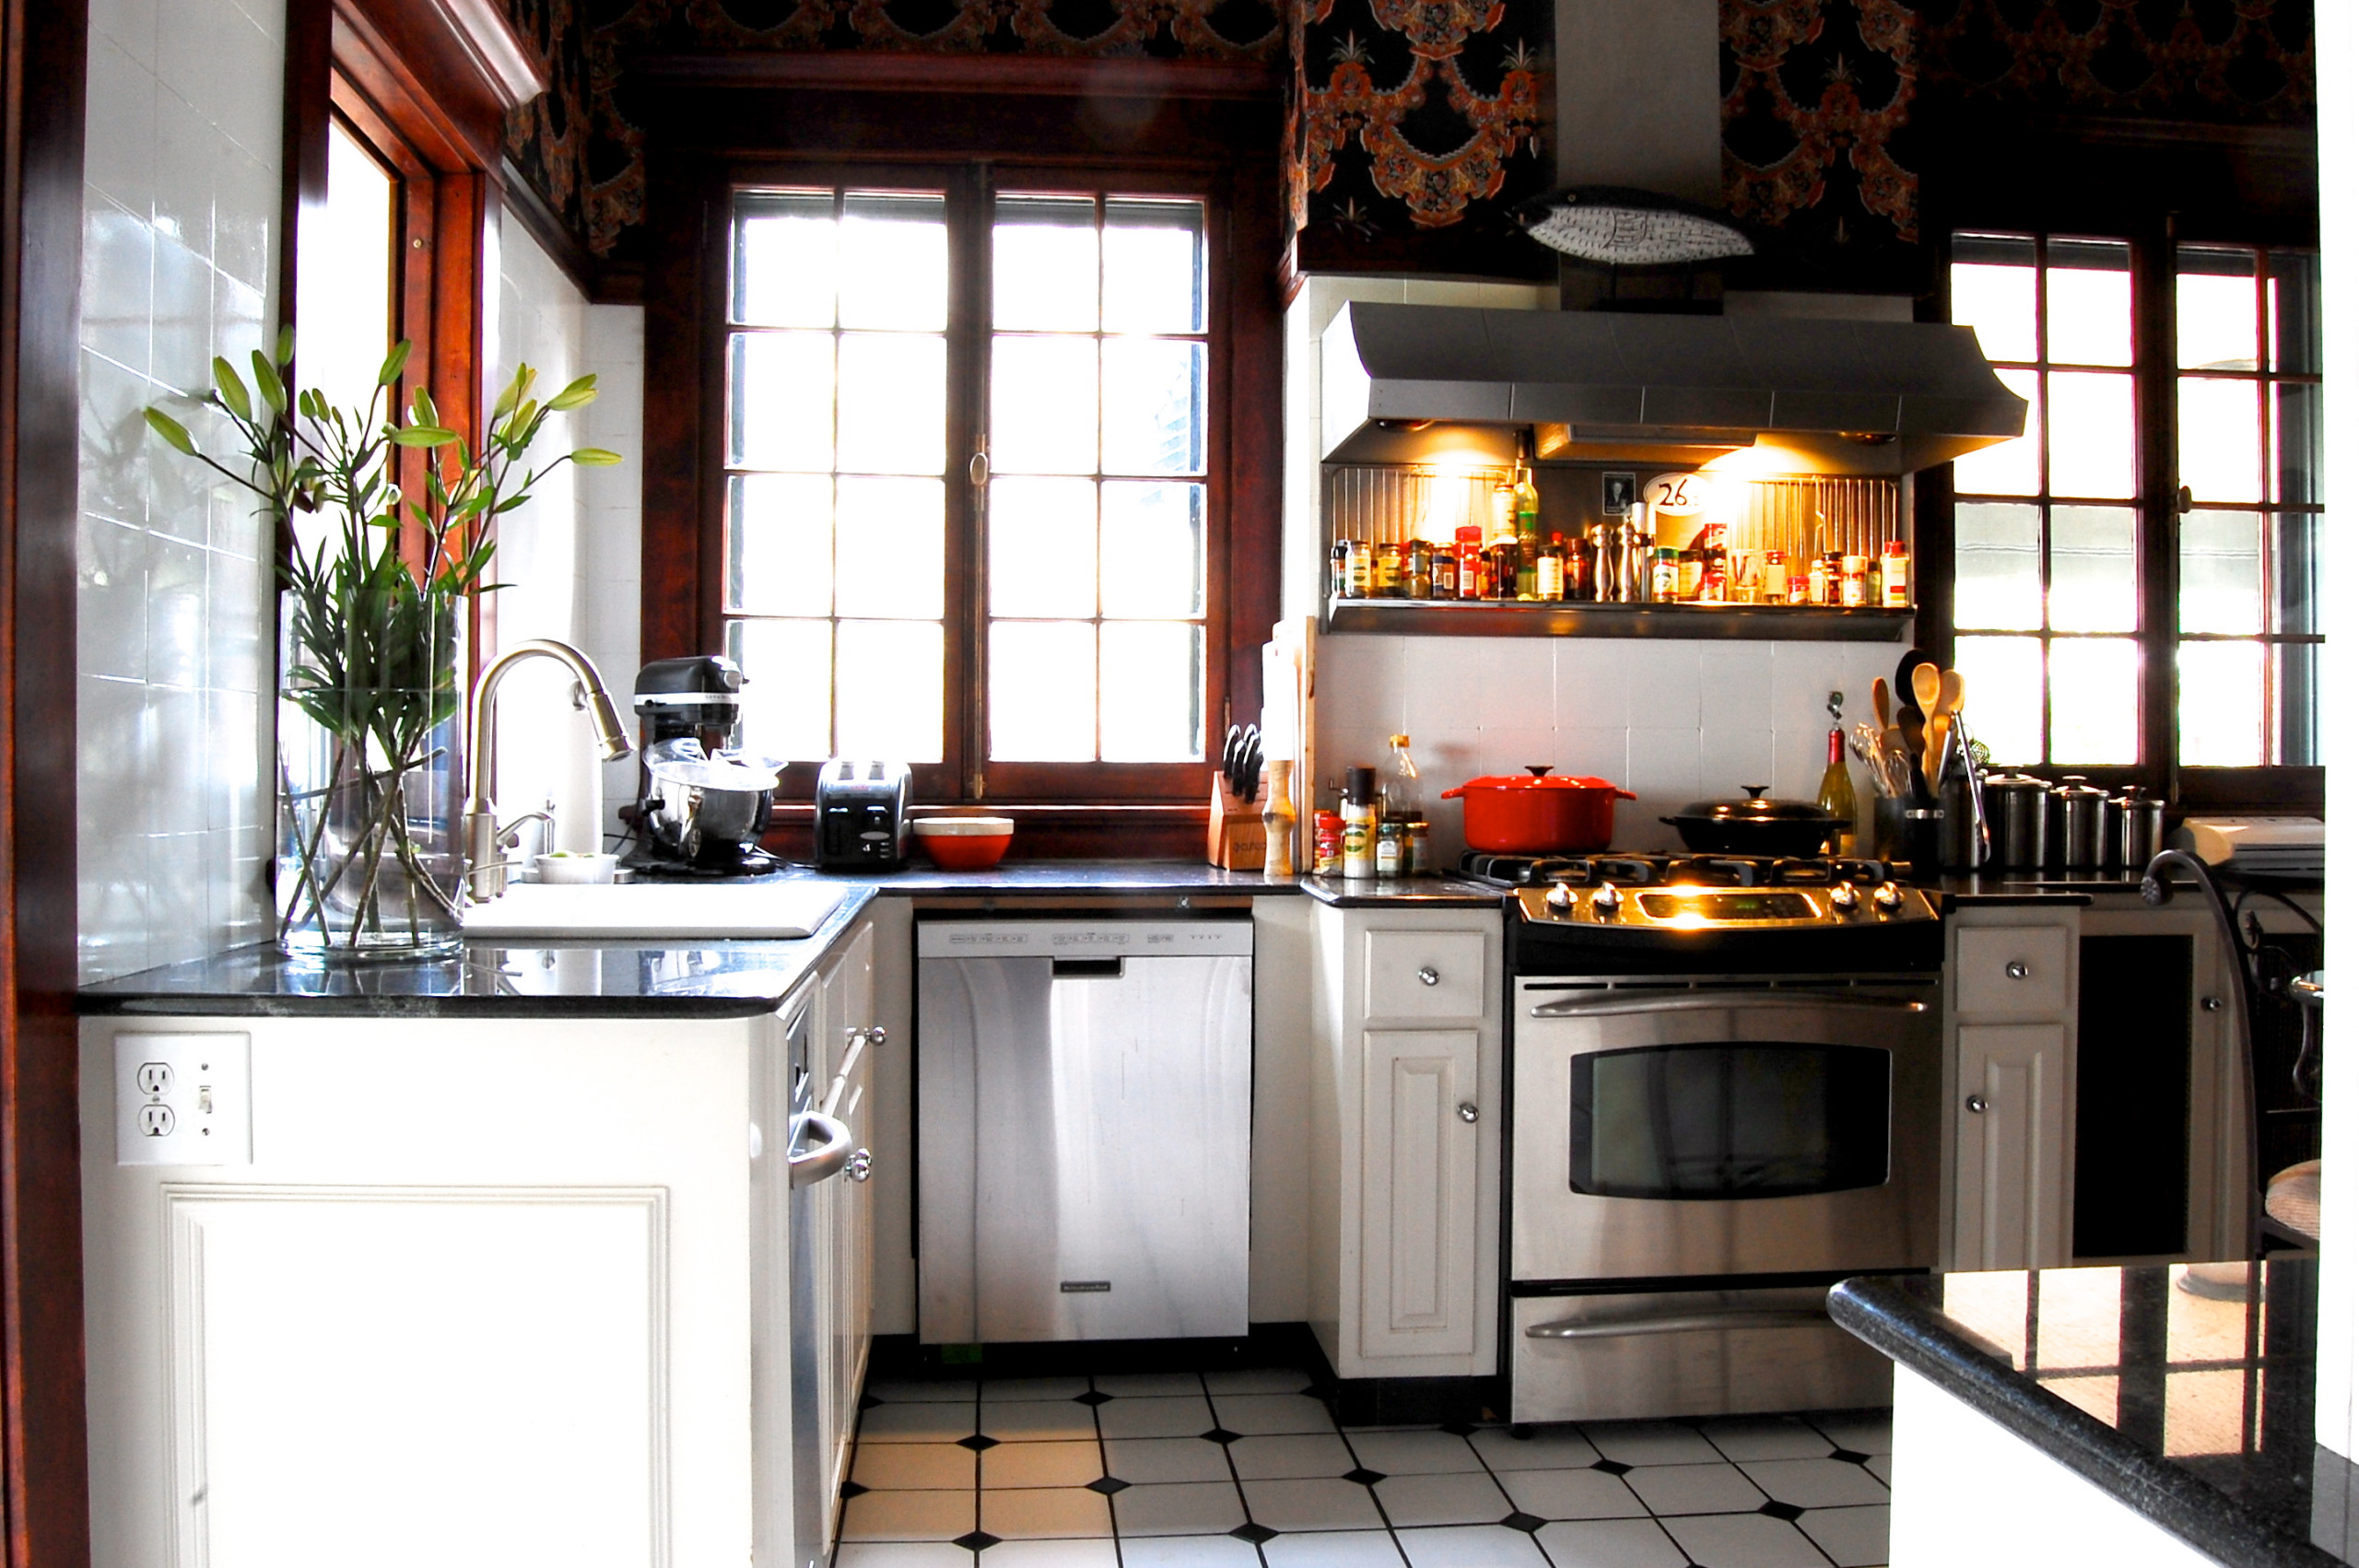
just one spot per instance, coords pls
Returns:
(1688, 893)
(1637, 868)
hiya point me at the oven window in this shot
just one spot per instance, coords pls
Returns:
(1763, 1120)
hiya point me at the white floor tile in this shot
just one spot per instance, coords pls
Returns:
(1695, 1488)
(1303, 1455)
(1042, 1464)
(1411, 1501)
(1034, 1388)
(923, 1392)
(1744, 1541)
(1341, 1549)
(902, 1554)
(1414, 1453)
(1880, 1466)
(1188, 1552)
(913, 1467)
(1043, 1512)
(1471, 1546)
(1054, 1554)
(1817, 1483)
(1038, 1421)
(1548, 1448)
(1649, 1442)
(910, 1516)
(1139, 1384)
(1855, 1538)
(1863, 1432)
(1186, 1508)
(1767, 1437)
(918, 1423)
(1258, 1415)
(1572, 1494)
(1153, 1417)
(1611, 1543)
(1146, 1460)
(1258, 1380)
(1311, 1505)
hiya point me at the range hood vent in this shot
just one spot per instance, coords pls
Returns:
(1414, 384)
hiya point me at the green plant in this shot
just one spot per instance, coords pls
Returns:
(374, 585)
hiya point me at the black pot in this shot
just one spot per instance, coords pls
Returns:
(1756, 827)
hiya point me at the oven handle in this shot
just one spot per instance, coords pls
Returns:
(1713, 1001)
(1682, 1323)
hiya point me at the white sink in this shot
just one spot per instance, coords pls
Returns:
(670, 909)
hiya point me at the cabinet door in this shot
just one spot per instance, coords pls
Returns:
(2010, 1118)
(1418, 1182)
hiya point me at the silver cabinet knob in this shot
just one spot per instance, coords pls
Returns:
(2213, 1004)
(1976, 1103)
(1429, 975)
(1467, 1111)
(876, 1036)
(858, 1166)
(2018, 970)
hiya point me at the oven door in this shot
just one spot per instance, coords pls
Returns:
(1725, 1127)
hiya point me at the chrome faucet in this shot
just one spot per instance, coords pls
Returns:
(482, 832)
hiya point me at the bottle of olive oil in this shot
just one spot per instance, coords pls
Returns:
(1835, 792)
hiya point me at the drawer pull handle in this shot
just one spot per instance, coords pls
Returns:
(2018, 970)
(2213, 1004)
(1681, 1323)
(1976, 1103)
(1429, 975)
(1467, 1111)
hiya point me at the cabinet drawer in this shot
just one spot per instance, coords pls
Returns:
(1425, 975)
(2013, 971)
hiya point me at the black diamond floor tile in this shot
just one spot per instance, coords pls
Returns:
(979, 1443)
(1218, 1434)
(1784, 1511)
(869, 1401)
(1612, 1467)
(1848, 1457)
(1108, 1486)
(1457, 1429)
(1528, 1522)
(1365, 1476)
(1257, 1534)
(976, 1540)
(853, 1488)
(1093, 1398)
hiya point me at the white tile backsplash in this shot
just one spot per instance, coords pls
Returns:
(179, 236)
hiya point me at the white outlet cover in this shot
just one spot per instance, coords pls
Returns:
(184, 1100)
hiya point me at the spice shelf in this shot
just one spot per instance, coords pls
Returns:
(1477, 617)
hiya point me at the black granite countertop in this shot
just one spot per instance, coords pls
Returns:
(2194, 1406)
(1382, 892)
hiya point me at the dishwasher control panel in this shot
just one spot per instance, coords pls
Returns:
(1086, 939)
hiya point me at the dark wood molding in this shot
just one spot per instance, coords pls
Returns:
(1461, 252)
(993, 74)
(501, 59)
(44, 1483)
(411, 52)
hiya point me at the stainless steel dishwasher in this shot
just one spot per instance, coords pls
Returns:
(1085, 1111)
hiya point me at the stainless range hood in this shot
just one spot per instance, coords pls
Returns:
(1418, 383)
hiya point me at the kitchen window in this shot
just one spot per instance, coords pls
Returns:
(2159, 518)
(968, 515)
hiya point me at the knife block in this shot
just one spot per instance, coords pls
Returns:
(1233, 837)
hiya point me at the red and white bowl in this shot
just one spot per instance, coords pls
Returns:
(963, 843)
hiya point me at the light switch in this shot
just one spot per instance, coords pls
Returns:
(182, 1100)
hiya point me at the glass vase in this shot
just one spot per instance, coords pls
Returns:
(370, 781)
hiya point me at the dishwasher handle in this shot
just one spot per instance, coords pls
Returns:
(805, 1166)
(1085, 968)
(1681, 1323)
(1612, 1006)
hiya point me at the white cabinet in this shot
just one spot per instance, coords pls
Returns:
(1405, 1161)
(2009, 1073)
(848, 1031)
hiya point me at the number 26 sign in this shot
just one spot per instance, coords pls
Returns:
(1673, 493)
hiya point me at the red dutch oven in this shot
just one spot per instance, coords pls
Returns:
(1539, 815)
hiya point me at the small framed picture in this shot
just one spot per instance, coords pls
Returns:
(1620, 490)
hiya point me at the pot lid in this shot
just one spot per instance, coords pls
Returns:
(1755, 809)
(2014, 782)
(2078, 787)
(1537, 777)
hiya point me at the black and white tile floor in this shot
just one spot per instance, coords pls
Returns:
(1244, 1469)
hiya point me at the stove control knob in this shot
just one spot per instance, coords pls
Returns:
(1887, 896)
(1560, 900)
(1844, 898)
(1607, 901)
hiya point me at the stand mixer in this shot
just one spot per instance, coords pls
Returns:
(706, 802)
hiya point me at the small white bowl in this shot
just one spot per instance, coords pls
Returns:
(574, 869)
(962, 827)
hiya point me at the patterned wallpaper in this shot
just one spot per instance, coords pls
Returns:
(2243, 61)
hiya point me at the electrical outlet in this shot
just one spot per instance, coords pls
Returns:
(182, 1100)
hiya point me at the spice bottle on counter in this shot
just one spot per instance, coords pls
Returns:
(1896, 575)
(1391, 847)
(1327, 843)
(1359, 822)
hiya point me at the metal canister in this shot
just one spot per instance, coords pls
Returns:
(2076, 828)
(2138, 828)
(1965, 844)
(2018, 806)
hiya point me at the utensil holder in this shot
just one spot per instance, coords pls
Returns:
(1906, 831)
(1233, 837)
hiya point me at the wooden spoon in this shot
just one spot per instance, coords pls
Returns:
(1953, 697)
(1937, 741)
(1925, 684)
(1880, 695)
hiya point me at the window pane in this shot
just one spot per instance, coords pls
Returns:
(781, 408)
(2002, 693)
(2092, 569)
(1044, 404)
(2219, 572)
(888, 690)
(896, 263)
(1998, 567)
(2219, 439)
(2297, 705)
(889, 550)
(1043, 691)
(785, 260)
(1154, 406)
(889, 408)
(2217, 315)
(1154, 550)
(1993, 289)
(2294, 313)
(1154, 270)
(2011, 468)
(2092, 445)
(2088, 302)
(2300, 438)
(346, 282)
(787, 681)
(1044, 547)
(2219, 705)
(1149, 681)
(2299, 565)
(2093, 700)
(780, 563)
(1044, 265)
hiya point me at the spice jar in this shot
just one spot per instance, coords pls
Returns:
(1420, 573)
(1773, 577)
(1896, 575)
(1361, 575)
(1444, 572)
(1327, 843)
(1469, 562)
(1359, 822)
(1391, 847)
(1389, 583)
(1500, 579)
(1855, 582)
